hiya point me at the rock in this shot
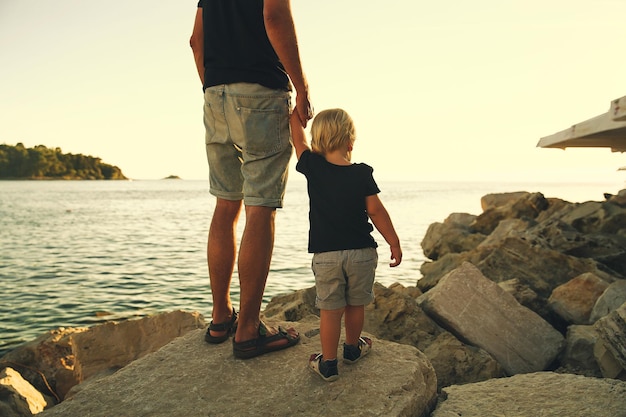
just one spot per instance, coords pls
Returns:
(479, 312)
(67, 357)
(610, 349)
(189, 377)
(544, 394)
(574, 300)
(619, 199)
(496, 208)
(395, 316)
(596, 217)
(523, 294)
(293, 306)
(540, 268)
(458, 236)
(433, 271)
(506, 228)
(613, 297)
(458, 363)
(578, 357)
(17, 396)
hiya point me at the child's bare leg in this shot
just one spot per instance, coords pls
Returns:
(330, 331)
(355, 317)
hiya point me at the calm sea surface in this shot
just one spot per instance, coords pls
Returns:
(76, 253)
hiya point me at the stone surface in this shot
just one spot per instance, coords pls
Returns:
(395, 316)
(68, 356)
(478, 311)
(507, 206)
(458, 236)
(574, 300)
(544, 394)
(18, 396)
(458, 363)
(189, 377)
(610, 349)
(541, 242)
(613, 297)
(578, 356)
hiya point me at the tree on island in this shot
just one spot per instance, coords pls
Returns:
(40, 162)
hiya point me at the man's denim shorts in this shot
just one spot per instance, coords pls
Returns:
(248, 142)
(344, 277)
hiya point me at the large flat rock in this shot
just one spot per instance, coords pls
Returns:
(544, 394)
(480, 312)
(189, 377)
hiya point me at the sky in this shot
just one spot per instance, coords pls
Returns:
(451, 91)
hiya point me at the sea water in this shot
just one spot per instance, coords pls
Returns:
(76, 253)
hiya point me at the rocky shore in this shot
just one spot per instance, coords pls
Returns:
(521, 311)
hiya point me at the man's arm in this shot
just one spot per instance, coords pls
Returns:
(281, 32)
(197, 44)
(297, 133)
(380, 217)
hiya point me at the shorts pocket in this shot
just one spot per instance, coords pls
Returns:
(262, 131)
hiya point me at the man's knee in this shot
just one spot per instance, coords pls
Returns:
(227, 209)
(260, 212)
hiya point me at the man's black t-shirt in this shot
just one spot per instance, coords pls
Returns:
(236, 46)
(337, 213)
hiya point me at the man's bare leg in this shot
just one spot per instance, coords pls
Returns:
(255, 255)
(221, 252)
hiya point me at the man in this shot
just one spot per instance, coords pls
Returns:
(246, 53)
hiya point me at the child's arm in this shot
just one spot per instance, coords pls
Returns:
(297, 134)
(379, 216)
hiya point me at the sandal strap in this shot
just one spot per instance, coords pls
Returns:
(227, 325)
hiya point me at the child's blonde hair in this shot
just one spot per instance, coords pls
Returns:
(331, 129)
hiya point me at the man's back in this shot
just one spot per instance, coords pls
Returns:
(236, 45)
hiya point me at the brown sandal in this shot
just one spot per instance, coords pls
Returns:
(263, 344)
(229, 327)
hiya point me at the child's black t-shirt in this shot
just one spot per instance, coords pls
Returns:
(337, 213)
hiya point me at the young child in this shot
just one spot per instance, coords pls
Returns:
(342, 197)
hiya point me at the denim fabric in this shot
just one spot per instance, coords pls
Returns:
(248, 142)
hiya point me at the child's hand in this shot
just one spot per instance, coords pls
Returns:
(396, 256)
(297, 133)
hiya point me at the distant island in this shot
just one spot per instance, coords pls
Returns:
(40, 163)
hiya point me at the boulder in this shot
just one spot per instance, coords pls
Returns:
(506, 228)
(458, 363)
(613, 297)
(498, 207)
(451, 236)
(190, 377)
(395, 316)
(479, 312)
(578, 356)
(558, 233)
(540, 268)
(68, 356)
(610, 348)
(433, 271)
(524, 295)
(293, 306)
(544, 394)
(17, 396)
(574, 300)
